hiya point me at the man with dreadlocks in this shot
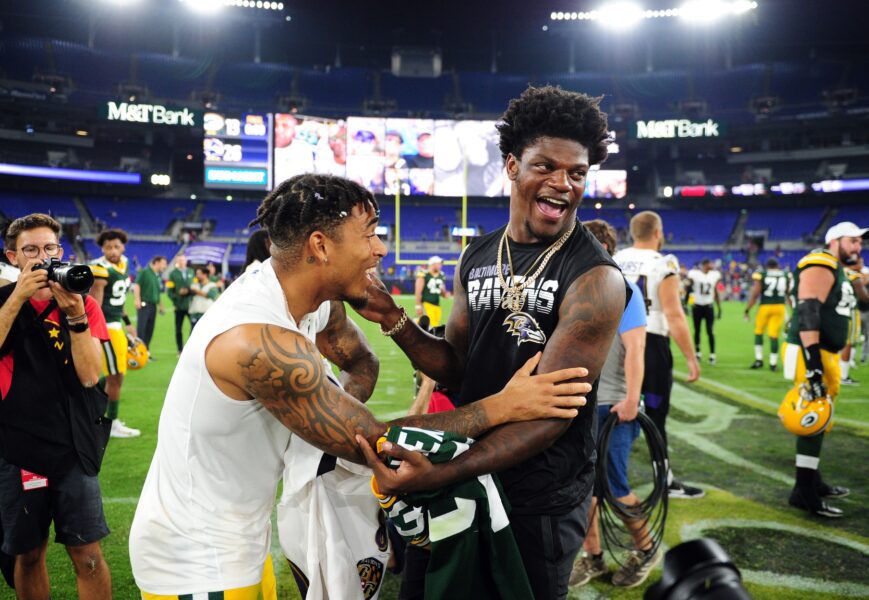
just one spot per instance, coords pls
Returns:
(542, 282)
(251, 377)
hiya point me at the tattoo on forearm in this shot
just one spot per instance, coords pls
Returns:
(288, 377)
(469, 420)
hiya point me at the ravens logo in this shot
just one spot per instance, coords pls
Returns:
(524, 327)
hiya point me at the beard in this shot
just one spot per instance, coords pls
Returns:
(848, 259)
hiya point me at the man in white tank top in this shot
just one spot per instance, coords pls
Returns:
(251, 377)
(657, 276)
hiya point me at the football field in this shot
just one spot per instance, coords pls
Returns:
(724, 436)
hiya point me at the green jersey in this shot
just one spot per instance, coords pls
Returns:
(433, 286)
(775, 285)
(180, 279)
(835, 310)
(149, 285)
(117, 278)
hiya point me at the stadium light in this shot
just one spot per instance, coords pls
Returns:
(619, 15)
(622, 15)
(204, 7)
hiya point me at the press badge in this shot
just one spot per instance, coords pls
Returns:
(32, 481)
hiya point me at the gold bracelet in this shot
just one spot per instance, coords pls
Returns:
(398, 326)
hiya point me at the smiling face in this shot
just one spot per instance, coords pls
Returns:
(548, 183)
(356, 252)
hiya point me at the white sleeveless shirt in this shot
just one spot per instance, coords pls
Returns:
(203, 521)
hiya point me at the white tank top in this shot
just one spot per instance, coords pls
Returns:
(203, 521)
(647, 269)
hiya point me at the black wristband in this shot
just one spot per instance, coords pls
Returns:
(814, 364)
(126, 320)
(78, 327)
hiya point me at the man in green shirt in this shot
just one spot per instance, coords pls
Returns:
(147, 293)
(178, 288)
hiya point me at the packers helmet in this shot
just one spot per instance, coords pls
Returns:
(137, 353)
(803, 415)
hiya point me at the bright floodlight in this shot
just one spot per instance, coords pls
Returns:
(704, 11)
(619, 15)
(204, 7)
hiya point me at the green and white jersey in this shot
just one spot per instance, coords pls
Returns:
(836, 309)
(118, 282)
(433, 286)
(775, 284)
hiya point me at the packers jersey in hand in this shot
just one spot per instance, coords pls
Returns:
(117, 278)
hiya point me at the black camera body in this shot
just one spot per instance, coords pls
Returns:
(71, 277)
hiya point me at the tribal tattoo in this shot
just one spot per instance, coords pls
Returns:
(285, 374)
(345, 346)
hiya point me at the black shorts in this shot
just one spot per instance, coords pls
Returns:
(549, 545)
(658, 377)
(73, 501)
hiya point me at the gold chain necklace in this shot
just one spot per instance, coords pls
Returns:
(514, 296)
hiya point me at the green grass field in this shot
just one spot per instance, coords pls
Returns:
(724, 437)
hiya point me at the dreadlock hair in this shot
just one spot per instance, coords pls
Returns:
(550, 111)
(307, 203)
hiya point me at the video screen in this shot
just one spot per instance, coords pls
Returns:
(309, 145)
(409, 157)
(471, 144)
(237, 151)
(365, 152)
(604, 183)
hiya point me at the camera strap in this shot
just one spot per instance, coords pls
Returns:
(44, 314)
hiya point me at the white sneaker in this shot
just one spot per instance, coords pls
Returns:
(119, 430)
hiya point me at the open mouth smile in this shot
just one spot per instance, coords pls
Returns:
(552, 208)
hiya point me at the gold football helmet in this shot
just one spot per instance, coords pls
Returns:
(805, 416)
(137, 353)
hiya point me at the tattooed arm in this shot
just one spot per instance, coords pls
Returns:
(442, 359)
(344, 345)
(587, 322)
(284, 372)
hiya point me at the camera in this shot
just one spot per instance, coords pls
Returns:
(698, 570)
(73, 278)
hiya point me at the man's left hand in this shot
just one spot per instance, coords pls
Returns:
(70, 303)
(626, 410)
(414, 474)
(381, 305)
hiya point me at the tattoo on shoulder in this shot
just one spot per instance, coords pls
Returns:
(285, 374)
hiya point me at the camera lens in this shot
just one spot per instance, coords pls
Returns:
(74, 278)
(698, 569)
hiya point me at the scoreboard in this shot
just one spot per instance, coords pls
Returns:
(238, 151)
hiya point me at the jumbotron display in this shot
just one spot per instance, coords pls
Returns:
(409, 157)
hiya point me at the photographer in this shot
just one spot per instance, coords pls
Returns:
(52, 432)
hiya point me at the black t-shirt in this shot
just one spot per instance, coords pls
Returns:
(559, 478)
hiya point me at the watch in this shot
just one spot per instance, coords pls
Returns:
(79, 327)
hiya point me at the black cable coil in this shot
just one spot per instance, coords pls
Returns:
(652, 510)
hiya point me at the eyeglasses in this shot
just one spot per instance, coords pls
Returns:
(33, 251)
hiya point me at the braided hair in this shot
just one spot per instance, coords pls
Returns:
(550, 111)
(307, 203)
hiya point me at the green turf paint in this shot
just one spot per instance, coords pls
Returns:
(719, 417)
